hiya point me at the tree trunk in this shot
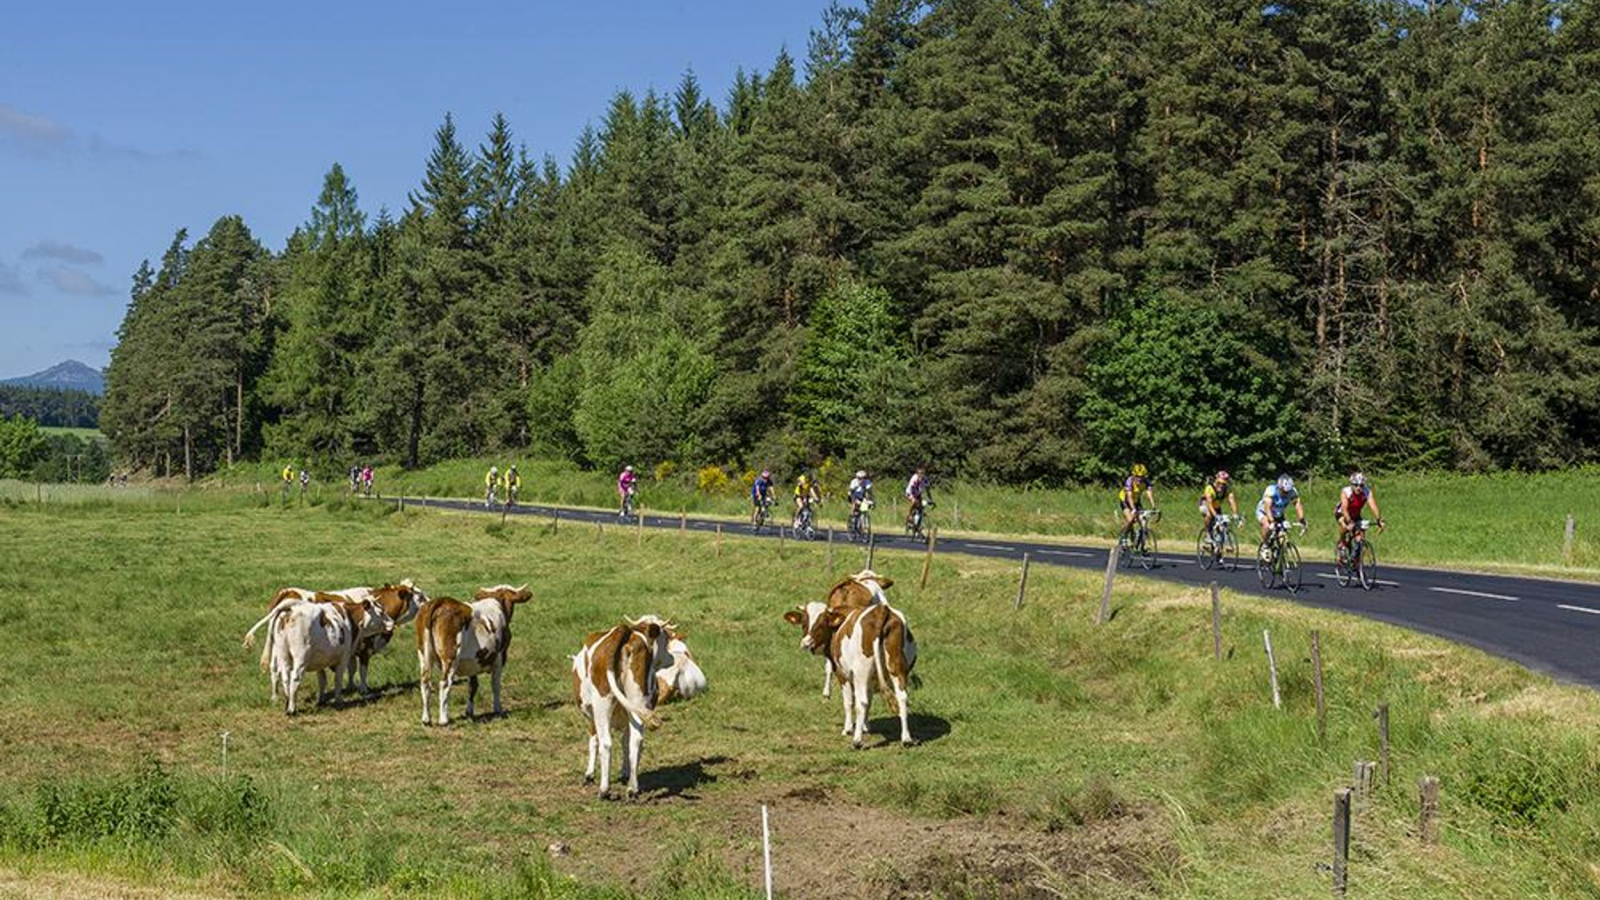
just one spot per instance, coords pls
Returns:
(188, 456)
(238, 422)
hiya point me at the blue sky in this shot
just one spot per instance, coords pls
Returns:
(120, 122)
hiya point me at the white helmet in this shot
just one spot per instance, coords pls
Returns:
(861, 473)
(1285, 483)
(627, 468)
(1358, 480)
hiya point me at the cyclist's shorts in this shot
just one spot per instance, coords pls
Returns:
(1262, 512)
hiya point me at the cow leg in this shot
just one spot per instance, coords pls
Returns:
(863, 698)
(602, 718)
(447, 679)
(292, 684)
(422, 683)
(848, 699)
(494, 680)
(635, 747)
(322, 686)
(827, 678)
(594, 746)
(362, 662)
(472, 694)
(905, 716)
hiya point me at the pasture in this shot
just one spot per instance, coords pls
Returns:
(1058, 758)
(1504, 521)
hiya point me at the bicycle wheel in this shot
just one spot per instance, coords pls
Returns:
(1147, 550)
(1367, 566)
(1228, 552)
(1124, 551)
(1266, 566)
(1291, 568)
(1205, 549)
(1342, 567)
(864, 528)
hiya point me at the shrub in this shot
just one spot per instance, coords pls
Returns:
(713, 480)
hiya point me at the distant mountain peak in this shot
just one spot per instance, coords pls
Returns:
(70, 375)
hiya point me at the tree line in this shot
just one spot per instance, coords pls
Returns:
(52, 407)
(1020, 240)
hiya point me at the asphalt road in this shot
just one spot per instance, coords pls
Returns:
(1547, 625)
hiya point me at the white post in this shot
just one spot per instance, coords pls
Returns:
(1272, 666)
(225, 754)
(766, 850)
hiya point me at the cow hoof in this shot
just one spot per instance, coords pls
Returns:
(856, 744)
(907, 742)
(633, 795)
(588, 779)
(604, 795)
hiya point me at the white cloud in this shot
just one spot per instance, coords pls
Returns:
(51, 249)
(75, 283)
(33, 134)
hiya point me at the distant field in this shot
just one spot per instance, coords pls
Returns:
(1512, 521)
(87, 434)
(1059, 759)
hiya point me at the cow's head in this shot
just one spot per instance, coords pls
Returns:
(682, 677)
(508, 596)
(401, 601)
(817, 623)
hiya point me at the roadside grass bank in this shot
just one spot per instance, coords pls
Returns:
(1058, 757)
(1506, 521)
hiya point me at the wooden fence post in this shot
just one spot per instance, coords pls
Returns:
(1361, 778)
(1341, 841)
(555, 520)
(830, 552)
(1566, 545)
(1111, 574)
(780, 542)
(1022, 585)
(683, 522)
(872, 548)
(927, 558)
(640, 528)
(1272, 668)
(719, 540)
(1383, 740)
(1316, 682)
(1216, 622)
(1428, 816)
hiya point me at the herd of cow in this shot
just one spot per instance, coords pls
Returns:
(619, 675)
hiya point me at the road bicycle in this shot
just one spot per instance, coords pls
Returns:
(511, 495)
(490, 494)
(761, 516)
(804, 527)
(1138, 541)
(1218, 546)
(860, 524)
(627, 504)
(1354, 560)
(1278, 559)
(917, 516)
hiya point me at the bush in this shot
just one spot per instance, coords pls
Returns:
(715, 480)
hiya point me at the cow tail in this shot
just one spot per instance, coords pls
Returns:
(644, 714)
(891, 627)
(271, 621)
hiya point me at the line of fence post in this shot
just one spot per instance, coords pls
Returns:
(1428, 811)
(1022, 585)
(719, 540)
(1341, 841)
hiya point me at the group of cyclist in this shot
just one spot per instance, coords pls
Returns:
(361, 479)
(1271, 510)
(501, 486)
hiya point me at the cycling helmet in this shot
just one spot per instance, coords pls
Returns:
(1139, 471)
(861, 473)
(1285, 483)
(1358, 480)
(627, 468)
(766, 473)
(1222, 476)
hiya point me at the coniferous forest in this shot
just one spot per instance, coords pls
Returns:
(1019, 240)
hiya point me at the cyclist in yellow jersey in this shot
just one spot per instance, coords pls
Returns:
(1217, 490)
(1135, 489)
(805, 492)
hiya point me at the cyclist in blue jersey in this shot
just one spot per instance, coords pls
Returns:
(761, 489)
(1275, 502)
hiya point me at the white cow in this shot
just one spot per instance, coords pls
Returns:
(627, 671)
(864, 644)
(461, 639)
(319, 635)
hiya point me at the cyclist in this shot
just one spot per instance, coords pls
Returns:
(355, 478)
(1136, 489)
(761, 493)
(305, 481)
(916, 492)
(491, 482)
(1217, 490)
(1274, 503)
(288, 479)
(805, 494)
(626, 484)
(1353, 500)
(366, 479)
(860, 489)
(513, 483)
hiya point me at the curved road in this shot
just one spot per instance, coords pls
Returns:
(1547, 625)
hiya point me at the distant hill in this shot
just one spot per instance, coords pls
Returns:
(67, 376)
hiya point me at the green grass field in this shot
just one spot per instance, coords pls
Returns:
(1058, 758)
(87, 434)
(1504, 522)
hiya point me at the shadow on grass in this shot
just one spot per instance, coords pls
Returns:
(925, 729)
(678, 781)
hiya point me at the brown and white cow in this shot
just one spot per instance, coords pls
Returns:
(401, 602)
(863, 644)
(626, 672)
(856, 591)
(462, 639)
(318, 635)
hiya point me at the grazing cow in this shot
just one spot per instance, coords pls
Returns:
(864, 644)
(628, 670)
(466, 639)
(856, 591)
(317, 635)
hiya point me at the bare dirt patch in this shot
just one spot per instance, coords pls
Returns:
(16, 885)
